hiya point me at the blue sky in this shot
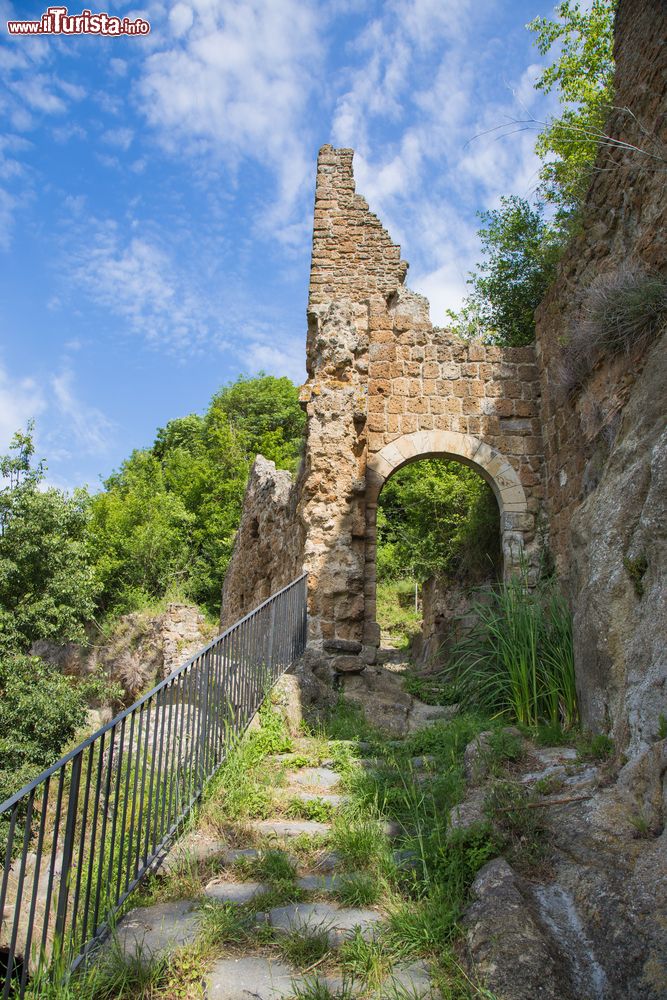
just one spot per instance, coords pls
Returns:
(156, 193)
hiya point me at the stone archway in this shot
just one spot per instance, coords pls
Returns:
(491, 465)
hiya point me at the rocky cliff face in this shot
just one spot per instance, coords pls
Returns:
(269, 543)
(604, 441)
(141, 651)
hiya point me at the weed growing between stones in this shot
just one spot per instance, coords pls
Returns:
(598, 747)
(358, 889)
(302, 949)
(517, 824)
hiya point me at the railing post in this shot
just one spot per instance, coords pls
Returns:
(68, 850)
(270, 639)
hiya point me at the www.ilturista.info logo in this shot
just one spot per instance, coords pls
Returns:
(57, 21)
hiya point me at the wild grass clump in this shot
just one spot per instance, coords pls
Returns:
(623, 312)
(242, 789)
(303, 948)
(358, 889)
(517, 662)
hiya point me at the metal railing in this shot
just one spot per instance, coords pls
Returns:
(80, 837)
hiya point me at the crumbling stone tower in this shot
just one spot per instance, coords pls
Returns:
(384, 388)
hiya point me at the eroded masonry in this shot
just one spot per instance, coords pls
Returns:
(385, 387)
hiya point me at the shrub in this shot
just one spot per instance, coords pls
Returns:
(40, 711)
(517, 662)
(623, 312)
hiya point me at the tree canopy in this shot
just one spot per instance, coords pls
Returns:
(520, 251)
(583, 78)
(165, 522)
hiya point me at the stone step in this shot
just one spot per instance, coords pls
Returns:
(318, 883)
(412, 980)
(314, 777)
(261, 978)
(193, 848)
(339, 923)
(251, 976)
(287, 829)
(329, 797)
(234, 892)
(233, 854)
(328, 862)
(148, 931)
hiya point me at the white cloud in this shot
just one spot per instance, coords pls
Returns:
(237, 86)
(288, 359)
(180, 19)
(86, 428)
(121, 138)
(140, 281)
(21, 400)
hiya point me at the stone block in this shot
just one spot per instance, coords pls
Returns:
(342, 646)
(348, 664)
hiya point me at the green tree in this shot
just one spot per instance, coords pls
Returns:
(265, 413)
(166, 521)
(40, 711)
(582, 76)
(47, 583)
(140, 535)
(521, 250)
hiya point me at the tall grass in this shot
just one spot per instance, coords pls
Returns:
(517, 662)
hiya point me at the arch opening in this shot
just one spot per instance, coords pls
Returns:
(516, 522)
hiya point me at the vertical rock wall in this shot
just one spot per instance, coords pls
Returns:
(605, 445)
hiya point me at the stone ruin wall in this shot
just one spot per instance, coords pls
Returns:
(385, 387)
(268, 549)
(605, 447)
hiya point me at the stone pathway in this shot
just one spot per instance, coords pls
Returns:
(257, 974)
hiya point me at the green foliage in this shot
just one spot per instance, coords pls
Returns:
(517, 823)
(266, 417)
(316, 810)
(517, 662)
(396, 613)
(167, 519)
(40, 710)
(520, 251)
(582, 77)
(47, 586)
(437, 517)
(303, 948)
(595, 747)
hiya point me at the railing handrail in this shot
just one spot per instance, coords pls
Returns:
(86, 831)
(89, 740)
